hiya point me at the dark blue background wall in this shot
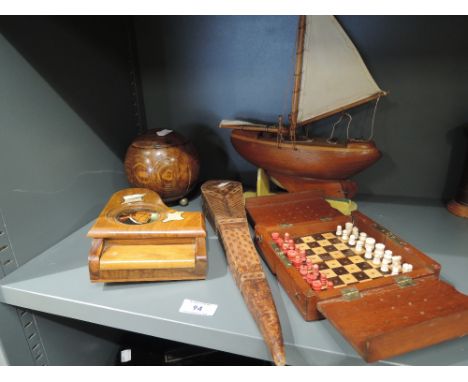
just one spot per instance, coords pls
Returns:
(198, 70)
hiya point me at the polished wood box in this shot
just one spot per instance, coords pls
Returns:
(382, 317)
(138, 238)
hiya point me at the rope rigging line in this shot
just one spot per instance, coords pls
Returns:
(373, 119)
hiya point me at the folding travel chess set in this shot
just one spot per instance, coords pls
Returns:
(380, 292)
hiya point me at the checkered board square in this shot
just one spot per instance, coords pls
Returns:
(338, 261)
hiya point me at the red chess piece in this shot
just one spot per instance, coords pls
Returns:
(275, 236)
(316, 285)
(310, 278)
(330, 284)
(279, 242)
(285, 247)
(286, 236)
(324, 281)
(297, 262)
(291, 254)
(303, 271)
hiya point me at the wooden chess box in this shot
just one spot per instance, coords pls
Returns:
(380, 315)
(138, 238)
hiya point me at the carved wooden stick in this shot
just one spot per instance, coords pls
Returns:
(224, 205)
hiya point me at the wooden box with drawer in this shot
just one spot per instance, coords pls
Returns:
(138, 238)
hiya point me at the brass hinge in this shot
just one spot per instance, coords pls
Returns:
(350, 294)
(404, 281)
(326, 219)
(390, 234)
(285, 225)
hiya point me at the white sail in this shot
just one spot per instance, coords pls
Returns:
(333, 73)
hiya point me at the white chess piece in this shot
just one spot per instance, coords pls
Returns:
(376, 259)
(368, 255)
(380, 247)
(345, 236)
(379, 250)
(388, 256)
(396, 264)
(384, 267)
(370, 241)
(369, 245)
(363, 236)
(396, 259)
(396, 269)
(406, 268)
(359, 247)
(339, 230)
(352, 240)
(355, 231)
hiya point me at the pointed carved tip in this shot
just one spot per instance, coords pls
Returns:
(279, 358)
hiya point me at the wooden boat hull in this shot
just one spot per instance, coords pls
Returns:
(307, 163)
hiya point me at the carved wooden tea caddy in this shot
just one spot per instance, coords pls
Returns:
(138, 238)
(380, 317)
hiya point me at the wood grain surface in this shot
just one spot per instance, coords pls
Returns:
(136, 237)
(386, 317)
(223, 203)
(309, 164)
(168, 164)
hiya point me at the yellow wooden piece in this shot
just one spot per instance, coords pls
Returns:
(345, 206)
(263, 185)
(151, 256)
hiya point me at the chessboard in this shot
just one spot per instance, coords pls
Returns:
(339, 262)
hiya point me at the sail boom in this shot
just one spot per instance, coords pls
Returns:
(249, 126)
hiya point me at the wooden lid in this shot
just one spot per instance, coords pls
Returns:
(139, 213)
(289, 208)
(157, 138)
(386, 322)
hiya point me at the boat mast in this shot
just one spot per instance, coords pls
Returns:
(297, 76)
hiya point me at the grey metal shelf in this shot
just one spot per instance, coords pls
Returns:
(57, 282)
